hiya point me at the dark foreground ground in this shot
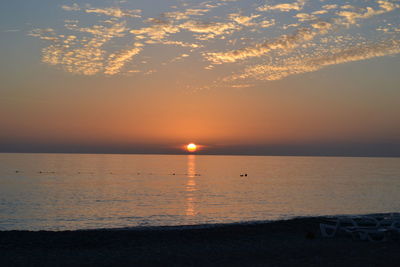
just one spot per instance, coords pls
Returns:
(285, 243)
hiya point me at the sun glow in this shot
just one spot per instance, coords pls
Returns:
(191, 147)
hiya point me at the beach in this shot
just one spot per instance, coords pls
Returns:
(280, 243)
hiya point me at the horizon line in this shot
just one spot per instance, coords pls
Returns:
(208, 154)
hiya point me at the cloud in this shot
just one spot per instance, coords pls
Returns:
(181, 15)
(320, 12)
(85, 55)
(300, 36)
(158, 31)
(47, 34)
(305, 17)
(179, 43)
(102, 33)
(284, 42)
(304, 65)
(179, 58)
(115, 12)
(331, 6)
(266, 23)
(242, 85)
(348, 7)
(351, 17)
(117, 60)
(86, 61)
(73, 7)
(243, 20)
(232, 35)
(209, 30)
(285, 7)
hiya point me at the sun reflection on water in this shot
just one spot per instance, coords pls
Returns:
(191, 186)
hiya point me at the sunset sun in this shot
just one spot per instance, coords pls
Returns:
(191, 147)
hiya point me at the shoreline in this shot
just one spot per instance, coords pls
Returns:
(276, 243)
(184, 227)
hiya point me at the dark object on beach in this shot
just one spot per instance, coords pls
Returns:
(310, 235)
(245, 174)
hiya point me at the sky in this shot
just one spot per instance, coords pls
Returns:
(291, 77)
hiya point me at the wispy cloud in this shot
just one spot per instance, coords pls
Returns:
(186, 14)
(263, 43)
(209, 30)
(243, 20)
(80, 55)
(116, 61)
(284, 7)
(115, 12)
(179, 43)
(301, 65)
(283, 42)
(352, 17)
(158, 31)
(73, 7)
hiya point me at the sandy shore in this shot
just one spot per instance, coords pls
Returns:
(294, 242)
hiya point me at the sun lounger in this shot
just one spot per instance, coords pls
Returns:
(391, 224)
(347, 224)
(363, 227)
(371, 234)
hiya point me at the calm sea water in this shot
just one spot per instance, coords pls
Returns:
(74, 191)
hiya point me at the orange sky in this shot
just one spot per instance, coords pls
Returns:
(221, 75)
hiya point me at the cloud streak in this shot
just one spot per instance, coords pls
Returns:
(284, 42)
(84, 56)
(118, 60)
(284, 7)
(115, 12)
(298, 66)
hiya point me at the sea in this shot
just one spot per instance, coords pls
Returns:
(97, 191)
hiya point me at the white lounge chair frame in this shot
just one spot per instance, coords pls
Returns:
(364, 227)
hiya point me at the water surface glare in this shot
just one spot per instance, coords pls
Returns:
(82, 191)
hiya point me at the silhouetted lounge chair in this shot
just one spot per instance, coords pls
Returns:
(363, 227)
(346, 224)
(391, 223)
(372, 228)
